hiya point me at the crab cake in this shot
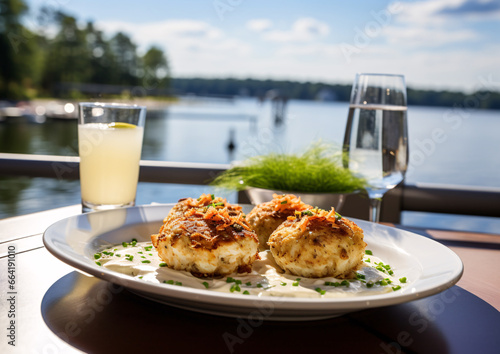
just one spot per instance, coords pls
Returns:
(266, 217)
(317, 243)
(207, 237)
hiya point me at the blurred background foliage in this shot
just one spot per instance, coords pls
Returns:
(35, 65)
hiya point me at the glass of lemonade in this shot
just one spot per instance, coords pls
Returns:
(110, 143)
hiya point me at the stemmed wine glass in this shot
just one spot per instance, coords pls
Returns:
(376, 135)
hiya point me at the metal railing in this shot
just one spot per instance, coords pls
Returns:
(420, 197)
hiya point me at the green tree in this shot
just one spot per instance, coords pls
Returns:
(67, 60)
(127, 63)
(156, 70)
(101, 60)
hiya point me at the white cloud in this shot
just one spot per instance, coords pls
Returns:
(191, 46)
(302, 30)
(426, 37)
(259, 24)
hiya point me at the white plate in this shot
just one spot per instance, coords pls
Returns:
(429, 266)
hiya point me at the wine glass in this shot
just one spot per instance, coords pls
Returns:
(376, 135)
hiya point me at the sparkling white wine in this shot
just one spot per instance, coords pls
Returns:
(376, 144)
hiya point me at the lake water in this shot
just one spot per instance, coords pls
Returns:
(447, 146)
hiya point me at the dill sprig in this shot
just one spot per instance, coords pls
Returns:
(317, 170)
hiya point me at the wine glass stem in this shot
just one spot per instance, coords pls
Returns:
(375, 209)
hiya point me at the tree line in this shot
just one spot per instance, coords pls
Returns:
(322, 91)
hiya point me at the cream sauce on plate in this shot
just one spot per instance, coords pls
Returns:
(141, 261)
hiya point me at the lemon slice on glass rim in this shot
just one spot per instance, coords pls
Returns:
(121, 125)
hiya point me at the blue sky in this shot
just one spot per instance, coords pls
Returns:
(435, 43)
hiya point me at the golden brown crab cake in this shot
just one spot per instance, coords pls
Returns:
(207, 239)
(266, 217)
(317, 243)
(184, 204)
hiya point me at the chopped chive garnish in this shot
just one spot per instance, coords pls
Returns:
(178, 283)
(308, 213)
(282, 283)
(98, 263)
(259, 285)
(168, 281)
(163, 264)
(212, 196)
(321, 291)
(230, 280)
(360, 276)
(143, 256)
(248, 283)
(206, 284)
(295, 283)
(246, 292)
(118, 255)
(284, 202)
(97, 256)
(141, 277)
(402, 280)
(368, 260)
(146, 261)
(369, 285)
(338, 216)
(368, 252)
(124, 244)
(148, 248)
(237, 281)
(140, 252)
(397, 287)
(345, 283)
(235, 287)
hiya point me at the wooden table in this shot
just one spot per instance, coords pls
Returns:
(56, 309)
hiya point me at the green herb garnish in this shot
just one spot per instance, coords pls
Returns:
(402, 280)
(235, 287)
(368, 252)
(321, 291)
(205, 283)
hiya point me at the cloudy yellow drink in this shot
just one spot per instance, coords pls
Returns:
(109, 162)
